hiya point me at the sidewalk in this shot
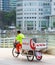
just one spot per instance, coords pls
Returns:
(6, 58)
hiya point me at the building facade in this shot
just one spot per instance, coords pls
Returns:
(13, 4)
(0, 5)
(8, 5)
(52, 17)
(5, 5)
(33, 14)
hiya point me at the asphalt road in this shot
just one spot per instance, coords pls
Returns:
(6, 58)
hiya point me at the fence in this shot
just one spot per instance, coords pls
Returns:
(8, 42)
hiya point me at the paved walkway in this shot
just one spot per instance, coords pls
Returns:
(6, 58)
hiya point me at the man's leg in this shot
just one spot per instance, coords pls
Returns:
(18, 47)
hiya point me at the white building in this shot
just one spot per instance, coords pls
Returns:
(33, 14)
(53, 7)
(52, 17)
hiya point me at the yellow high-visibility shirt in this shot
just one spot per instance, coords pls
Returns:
(19, 37)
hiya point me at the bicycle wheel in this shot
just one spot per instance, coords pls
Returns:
(14, 52)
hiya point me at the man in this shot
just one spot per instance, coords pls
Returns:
(18, 41)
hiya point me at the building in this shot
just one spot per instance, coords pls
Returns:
(52, 17)
(0, 5)
(0, 14)
(5, 5)
(33, 14)
(13, 4)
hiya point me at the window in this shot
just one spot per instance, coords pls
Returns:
(45, 4)
(19, 13)
(30, 4)
(35, 13)
(27, 17)
(19, 24)
(29, 25)
(33, 17)
(24, 17)
(19, 17)
(19, 9)
(20, 4)
(40, 4)
(30, 17)
(54, 3)
(40, 13)
(50, 0)
(54, 8)
(29, 28)
(40, 9)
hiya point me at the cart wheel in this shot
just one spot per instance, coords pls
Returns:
(38, 55)
(14, 52)
(30, 58)
(38, 58)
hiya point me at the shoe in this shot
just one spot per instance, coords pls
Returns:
(17, 52)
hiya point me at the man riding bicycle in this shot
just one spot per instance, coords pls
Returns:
(18, 41)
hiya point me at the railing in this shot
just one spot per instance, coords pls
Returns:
(8, 42)
(51, 42)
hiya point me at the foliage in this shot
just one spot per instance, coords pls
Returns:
(8, 18)
(53, 24)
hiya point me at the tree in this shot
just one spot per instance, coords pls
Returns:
(8, 18)
(13, 17)
(54, 24)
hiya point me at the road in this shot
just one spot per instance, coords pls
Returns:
(6, 58)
